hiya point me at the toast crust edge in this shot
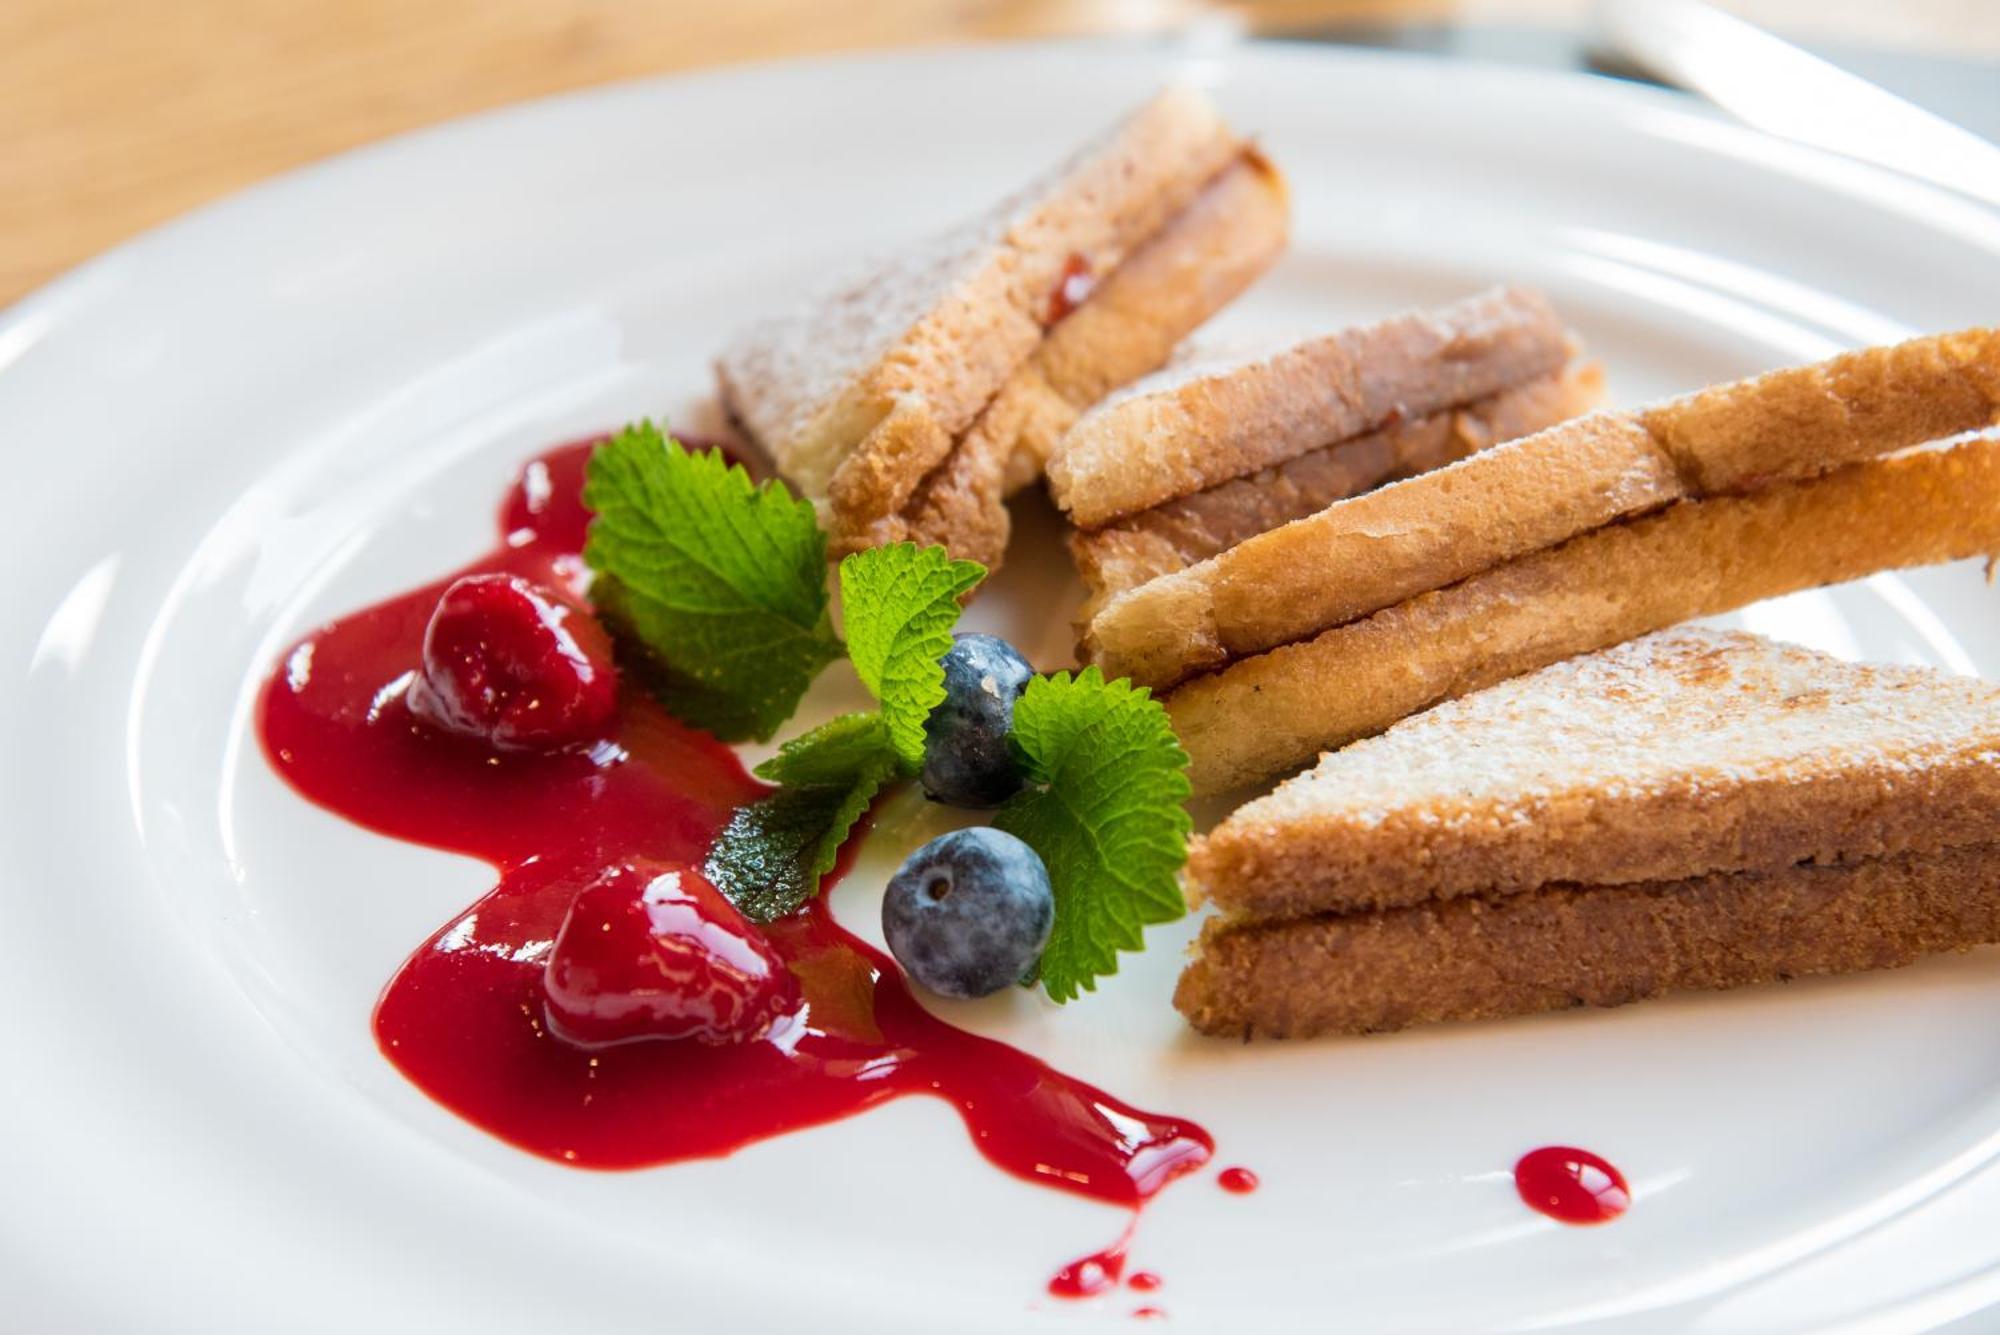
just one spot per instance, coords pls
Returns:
(1566, 946)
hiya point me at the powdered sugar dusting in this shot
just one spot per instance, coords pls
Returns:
(786, 370)
(1691, 707)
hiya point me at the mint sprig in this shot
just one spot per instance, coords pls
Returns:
(900, 603)
(723, 582)
(770, 857)
(1105, 811)
(718, 586)
(831, 753)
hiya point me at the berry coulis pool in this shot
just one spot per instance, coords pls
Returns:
(464, 1017)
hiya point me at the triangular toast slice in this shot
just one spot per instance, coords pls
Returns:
(1128, 325)
(866, 387)
(1221, 447)
(1205, 422)
(1680, 754)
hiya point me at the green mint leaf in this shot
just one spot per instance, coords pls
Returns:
(900, 603)
(769, 859)
(721, 582)
(1104, 810)
(834, 752)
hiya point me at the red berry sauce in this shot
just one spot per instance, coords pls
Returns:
(1099, 1272)
(1072, 289)
(1144, 1281)
(1571, 1185)
(464, 1016)
(1241, 1181)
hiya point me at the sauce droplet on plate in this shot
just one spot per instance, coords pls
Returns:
(1571, 1185)
(1088, 1276)
(1241, 1181)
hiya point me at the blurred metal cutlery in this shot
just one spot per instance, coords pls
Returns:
(1767, 82)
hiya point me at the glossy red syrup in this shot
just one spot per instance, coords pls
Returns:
(1571, 1185)
(1241, 1181)
(1145, 1281)
(1149, 1313)
(1099, 1272)
(464, 1017)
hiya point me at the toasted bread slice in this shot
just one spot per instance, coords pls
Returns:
(1196, 264)
(1685, 752)
(1277, 710)
(1193, 427)
(864, 388)
(1177, 534)
(1180, 533)
(1564, 946)
(1367, 553)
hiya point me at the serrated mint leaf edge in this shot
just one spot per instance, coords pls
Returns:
(1080, 958)
(901, 603)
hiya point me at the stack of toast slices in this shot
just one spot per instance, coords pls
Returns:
(1695, 809)
(1583, 535)
(1417, 541)
(909, 398)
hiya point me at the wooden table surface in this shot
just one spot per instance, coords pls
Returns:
(118, 114)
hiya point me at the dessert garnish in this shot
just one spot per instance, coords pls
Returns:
(1105, 806)
(723, 581)
(652, 950)
(601, 1006)
(968, 759)
(515, 664)
(718, 586)
(969, 912)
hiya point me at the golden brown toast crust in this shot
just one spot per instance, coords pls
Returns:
(1194, 428)
(1199, 261)
(1801, 421)
(1690, 751)
(1179, 533)
(1695, 558)
(1372, 551)
(1564, 946)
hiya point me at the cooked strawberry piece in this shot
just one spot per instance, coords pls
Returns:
(512, 663)
(655, 951)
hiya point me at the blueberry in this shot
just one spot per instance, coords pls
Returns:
(969, 912)
(967, 762)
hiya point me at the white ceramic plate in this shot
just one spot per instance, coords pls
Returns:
(312, 395)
